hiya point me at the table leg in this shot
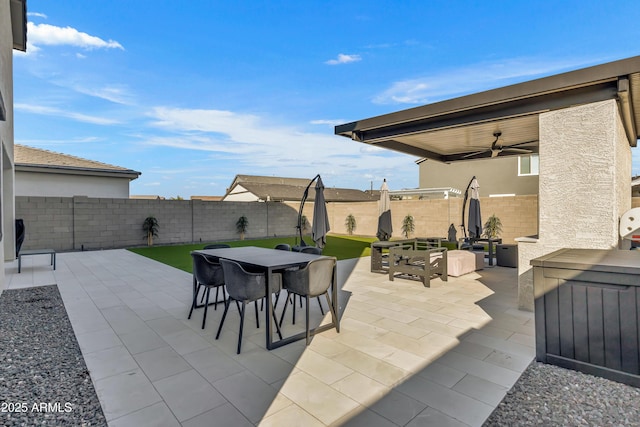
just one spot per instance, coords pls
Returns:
(334, 298)
(269, 310)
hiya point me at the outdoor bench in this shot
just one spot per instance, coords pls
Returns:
(51, 252)
(421, 263)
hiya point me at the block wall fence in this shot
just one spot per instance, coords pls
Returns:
(82, 223)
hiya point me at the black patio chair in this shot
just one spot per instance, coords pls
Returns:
(313, 280)
(207, 273)
(311, 250)
(217, 246)
(245, 287)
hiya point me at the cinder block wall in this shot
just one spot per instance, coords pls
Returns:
(78, 223)
(518, 214)
(48, 222)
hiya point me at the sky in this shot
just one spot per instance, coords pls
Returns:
(192, 93)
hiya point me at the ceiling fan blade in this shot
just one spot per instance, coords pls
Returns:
(521, 143)
(466, 156)
(495, 153)
(518, 150)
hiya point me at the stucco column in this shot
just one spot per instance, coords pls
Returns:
(584, 185)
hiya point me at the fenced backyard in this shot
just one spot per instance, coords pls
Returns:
(82, 223)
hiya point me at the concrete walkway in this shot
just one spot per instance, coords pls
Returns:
(406, 355)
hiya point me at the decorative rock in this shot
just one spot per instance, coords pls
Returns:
(547, 395)
(43, 377)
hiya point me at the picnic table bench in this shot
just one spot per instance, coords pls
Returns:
(29, 252)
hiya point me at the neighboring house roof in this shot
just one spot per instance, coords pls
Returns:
(39, 160)
(635, 186)
(208, 198)
(291, 189)
(147, 197)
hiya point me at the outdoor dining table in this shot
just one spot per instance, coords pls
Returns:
(270, 261)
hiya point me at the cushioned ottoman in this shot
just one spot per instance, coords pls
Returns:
(462, 262)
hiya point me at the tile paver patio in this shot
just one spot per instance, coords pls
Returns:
(406, 355)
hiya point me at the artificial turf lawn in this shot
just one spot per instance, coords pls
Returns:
(179, 256)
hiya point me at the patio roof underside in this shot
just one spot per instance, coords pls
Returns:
(463, 128)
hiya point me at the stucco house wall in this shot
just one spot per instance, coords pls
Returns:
(68, 185)
(496, 176)
(7, 220)
(240, 194)
(583, 151)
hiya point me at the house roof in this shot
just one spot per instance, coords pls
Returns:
(39, 160)
(291, 189)
(463, 128)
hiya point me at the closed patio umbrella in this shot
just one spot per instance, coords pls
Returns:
(384, 207)
(475, 218)
(320, 226)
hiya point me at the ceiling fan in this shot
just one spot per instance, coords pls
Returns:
(496, 148)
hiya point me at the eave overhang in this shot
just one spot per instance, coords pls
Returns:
(18, 10)
(69, 170)
(452, 130)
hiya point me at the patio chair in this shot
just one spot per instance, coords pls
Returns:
(307, 250)
(313, 280)
(207, 273)
(214, 246)
(311, 250)
(245, 287)
(217, 246)
(283, 247)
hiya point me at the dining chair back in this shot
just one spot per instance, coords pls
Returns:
(311, 250)
(311, 281)
(207, 273)
(283, 247)
(217, 246)
(244, 287)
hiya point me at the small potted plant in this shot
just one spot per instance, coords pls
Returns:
(241, 226)
(150, 227)
(350, 223)
(408, 226)
(304, 224)
(492, 228)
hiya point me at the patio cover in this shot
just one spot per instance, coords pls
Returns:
(449, 130)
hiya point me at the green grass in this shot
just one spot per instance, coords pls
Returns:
(179, 256)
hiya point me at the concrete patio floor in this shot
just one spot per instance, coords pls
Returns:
(406, 355)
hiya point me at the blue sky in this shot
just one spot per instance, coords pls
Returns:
(193, 93)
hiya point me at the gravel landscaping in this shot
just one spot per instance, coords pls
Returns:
(43, 377)
(546, 395)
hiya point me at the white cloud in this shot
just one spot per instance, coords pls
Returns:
(50, 35)
(37, 14)
(254, 144)
(118, 94)
(344, 59)
(327, 122)
(474, 78)
(51, 111)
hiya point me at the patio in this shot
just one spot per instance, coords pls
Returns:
(406, 354)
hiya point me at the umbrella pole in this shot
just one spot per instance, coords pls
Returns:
(304, 198)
